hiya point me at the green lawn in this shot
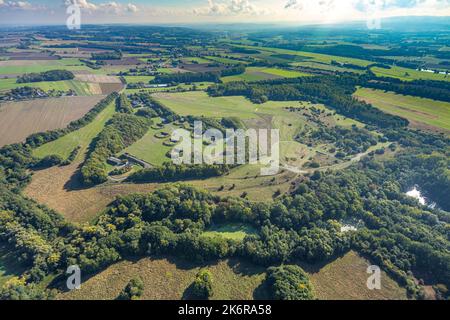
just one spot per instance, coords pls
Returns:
(426, 111)
(262, 73)
(200, 104)
(408, 74)
(233, 231)
(82, 137)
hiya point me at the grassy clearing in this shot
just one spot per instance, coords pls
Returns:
(406, 74)
(346, 278)
(168, 279)
(432, 113)
(82, 137)
(233, 231)
(261, 73)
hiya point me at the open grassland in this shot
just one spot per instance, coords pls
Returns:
(137, 79)
(423, 113)
(406, 74)
(233, 231)
(18, 120)
(150, 148)
(80, 88)
(224, 60)
(200, 104)
(324, 58)
(262, 73)
(29, 66)
(60, 189)
(346, 279)
(82, 137)
(169, 279)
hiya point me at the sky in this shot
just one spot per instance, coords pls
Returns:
(23, 12)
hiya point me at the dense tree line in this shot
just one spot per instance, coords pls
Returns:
(188, 77)
(123, 105)
(121, 131)
(116, 55)
(52, 75)
(172, 172)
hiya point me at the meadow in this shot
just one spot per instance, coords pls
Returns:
(170, 279)
(233, 231)
(263, 73)
(420, 111)
(29, 66)
(406, 74)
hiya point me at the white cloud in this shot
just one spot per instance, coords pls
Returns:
(229, 8)
(15, 4)
(105, 7)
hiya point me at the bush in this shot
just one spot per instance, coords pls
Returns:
(289, 282)
(133, 290)
(202, 286)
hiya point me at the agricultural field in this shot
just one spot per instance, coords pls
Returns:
(258, 73)
(80, 88)
(137, 79)
(423, 113)
(18, 120)
(14, 67)
(406, 74)
(82, 137)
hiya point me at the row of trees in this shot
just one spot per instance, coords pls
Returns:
(52, 75)
(121, 131)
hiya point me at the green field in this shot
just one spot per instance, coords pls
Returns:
(81, 88)
(324, 58)
(236, 231)
(150, 148)
(82, 137)
(224, 60)
(419, 110)
(136, 79)
(200, 104)
(408, 74)
(261, 73)
(28, 66)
